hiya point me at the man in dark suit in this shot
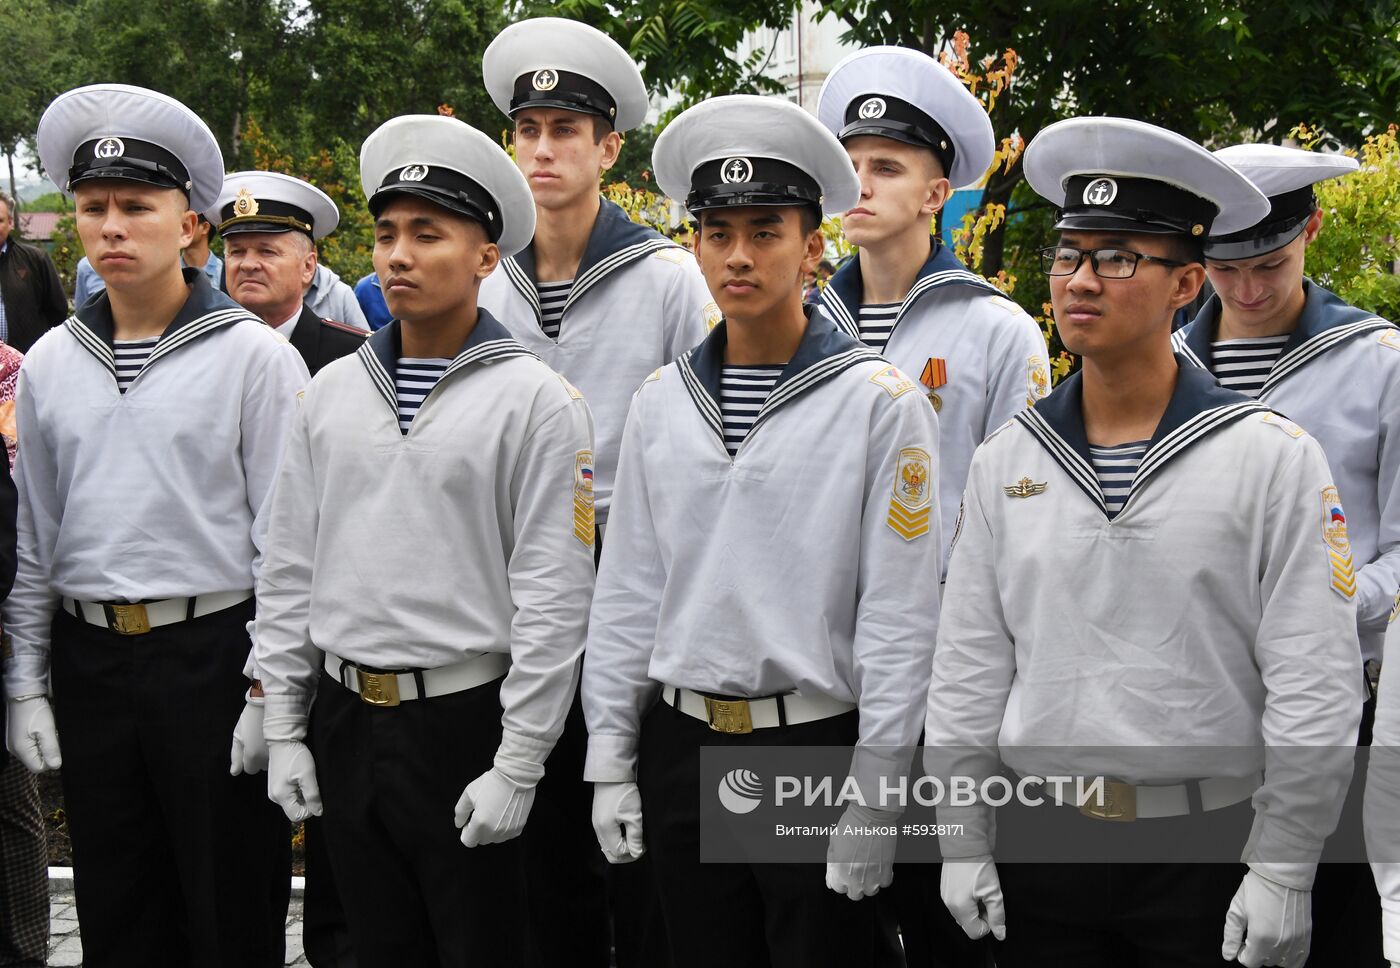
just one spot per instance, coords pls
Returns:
(31, 295)
(270, 223)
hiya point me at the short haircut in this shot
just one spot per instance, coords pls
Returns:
(600, 129)
(810, 219)
(1185, 248)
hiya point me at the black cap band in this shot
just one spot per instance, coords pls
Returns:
(129, 159)
(1108, 203)
(1288, 214)
(750, 181)
(550, 88)
(890, 117)
(263, 215)
(450, 189)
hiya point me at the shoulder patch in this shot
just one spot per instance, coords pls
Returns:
(677, 255)
(1037, 379)
(655, 375)
(1001, 302)
(912, 500)
(583, 497)
(1282, 423)
(1334, 536)
(712, 315)
(344, 327)
(573, 390)
(893, 382)
(1390, 337)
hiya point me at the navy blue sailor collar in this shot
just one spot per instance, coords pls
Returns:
(487, 342)
(842, 295)
(1327, 321)
(823, 352)
(614, 242)
(1198, 407)
(205, 310)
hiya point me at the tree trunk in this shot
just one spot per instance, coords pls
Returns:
(998, 191)
(10, 156)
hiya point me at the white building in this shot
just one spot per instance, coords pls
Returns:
(800, 55)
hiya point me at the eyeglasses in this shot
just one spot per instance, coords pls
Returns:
(1065, 260)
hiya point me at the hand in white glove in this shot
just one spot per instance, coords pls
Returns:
(967, 883)
(860, 855)
(493, 808)
(249, 753)
(291, 779)
(1268, 924)
(617, 821)
(31, 734)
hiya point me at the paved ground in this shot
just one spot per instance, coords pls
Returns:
(65, 947)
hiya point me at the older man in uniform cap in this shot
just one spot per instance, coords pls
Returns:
(429, 571)
(152, 424)
(779, 443)
(270, 224)
(604, 301)
(1141, 481)
(1272, 333)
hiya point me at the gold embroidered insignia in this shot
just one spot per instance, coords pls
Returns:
(583, 497)
(573, 390)
(244, 204)
(712, 315)
(893, 382)
(912, 502)
(1334, 535)
(1037, 379)
(1025, 487)
(1390, 337)
(1284, 424)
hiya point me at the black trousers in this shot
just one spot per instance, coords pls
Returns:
(390, 778)
(324, 933)
(24, 869)
(175, 862)
(1112, 915)
(744, 915)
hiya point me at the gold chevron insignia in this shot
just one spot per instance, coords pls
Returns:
(1025, 487)
(1343, 573)
(908, 524)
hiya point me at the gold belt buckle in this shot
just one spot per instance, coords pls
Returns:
(128, 619)
(728, 716)
(1119, 803)
(378, 688)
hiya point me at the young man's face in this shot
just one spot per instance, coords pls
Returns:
(420, 251)
(900, 186)
(267, 272)
(1257, 290)
(132, 232)
(1098, 317)
(754, 258)
(561, 156)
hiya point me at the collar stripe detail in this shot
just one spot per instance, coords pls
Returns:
(1318, 345)
(1063, 454)
(487, 352)
(841, 313)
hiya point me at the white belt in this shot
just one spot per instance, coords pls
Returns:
(137, 618)
(1125, 802)
(392, 688)
(747, 715)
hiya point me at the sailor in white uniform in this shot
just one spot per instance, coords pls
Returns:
(914, 133)
(771, 568)
(1146, 560)
(1383, 791)
(429, 568)
(153, 421)
(604, 301)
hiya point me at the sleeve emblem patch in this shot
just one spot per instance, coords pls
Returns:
(1037, 379)
(1334, 535)
(912, 502)
(893, 382)
(583, 497)
(1390, 337)
(712, 315)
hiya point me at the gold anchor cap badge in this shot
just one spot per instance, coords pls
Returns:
(245, 204)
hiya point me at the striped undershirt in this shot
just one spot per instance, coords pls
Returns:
(413, 381)
(1115, 467)
(553, 295)
(131, 355)
(1244, 364)
(742, 390)
(876, 321)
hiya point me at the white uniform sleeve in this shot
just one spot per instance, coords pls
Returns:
(1017, 354)
(1310, 661)
(622, 628)
(346, 308)
(551, 575)
(973, 668)
(30, 607)
(1376, 580)
(282, 647)
(684, 312)
(1382, 807)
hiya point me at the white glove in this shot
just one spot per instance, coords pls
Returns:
(860, 861)
(1268, 924)
(291, 779)
(494, 807)
(249, 753)
(966, 882)
(31, 734)
(617, 821)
